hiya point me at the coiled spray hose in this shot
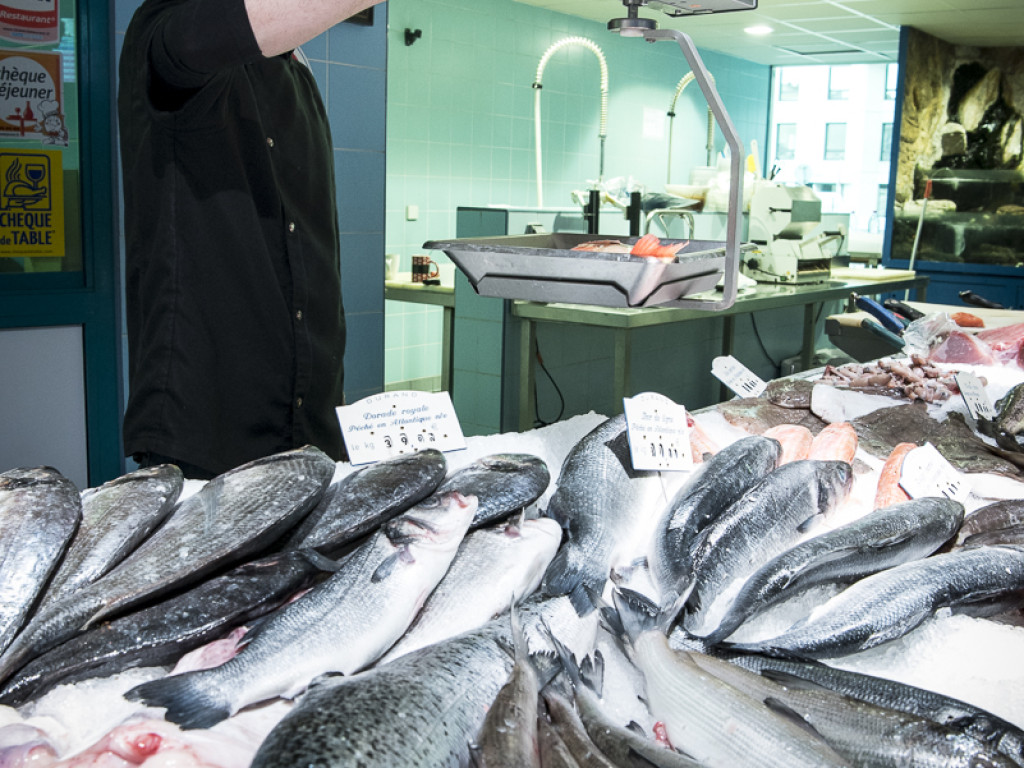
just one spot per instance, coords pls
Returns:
(683, 82)
(602, 132)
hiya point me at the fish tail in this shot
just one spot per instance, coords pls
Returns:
(636, 613)
(188, 703)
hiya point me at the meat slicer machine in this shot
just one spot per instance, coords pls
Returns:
(783, 226)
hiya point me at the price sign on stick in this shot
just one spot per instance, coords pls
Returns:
(975, 397)
(737, 377)
(927, 473)
(658, 432)
(395, 423)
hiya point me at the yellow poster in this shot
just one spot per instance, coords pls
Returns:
(31, 203)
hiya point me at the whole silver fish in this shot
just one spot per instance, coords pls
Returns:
(768, 519)
(508, 736)
(865, 734)
(159, 634)
(570, 729)
(360, 502)
(116, 517)
(423, 709)
(503, 483)
(493, 568)
(708, 719)
(237, 514)
(887, 605)
(881, 539)
(343, 625)
(600, 500)
(715, 485)
(39, 512)
(891, 694)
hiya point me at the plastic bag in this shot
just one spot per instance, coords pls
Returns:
(926, 333)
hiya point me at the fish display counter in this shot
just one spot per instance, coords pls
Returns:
(298, 611)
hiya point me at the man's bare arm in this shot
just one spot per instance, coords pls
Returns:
(283, 25)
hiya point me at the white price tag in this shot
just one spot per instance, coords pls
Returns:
(927, 473)
(975, 397)
(737, 377)
(658, 432)
(395, 423)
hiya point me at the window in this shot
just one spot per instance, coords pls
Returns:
(883, 199)
(838, 83)
(886, 151)
(785, 141)
(835, 141)
(789, 85)
(891, 73)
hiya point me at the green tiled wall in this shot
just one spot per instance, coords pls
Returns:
(460, 126)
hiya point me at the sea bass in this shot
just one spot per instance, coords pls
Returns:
(887, 605)
(891, 694)
(158, 635)
(237, 514)
(423, 709)
(493, 568)
(708, 719)
(358, 503)
(40, 510)
(343, 625)
(879, 540)
(116, 517)
(719, 482)
(600, 500)
(503, 483)
(865, 734)
(771, 517)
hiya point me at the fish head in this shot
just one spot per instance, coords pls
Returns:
(834, 483)
(440, 521)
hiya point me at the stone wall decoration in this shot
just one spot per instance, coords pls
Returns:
(962, 129)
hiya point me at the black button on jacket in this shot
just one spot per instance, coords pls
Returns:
(234, 315)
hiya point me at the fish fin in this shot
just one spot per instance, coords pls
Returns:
(635, 727)
(390, 563)
(809, 523)
(188, 704)
(322, 562)
(783, 709)
(592, 672)
(636, 612)
(582, 600)
(568, 663)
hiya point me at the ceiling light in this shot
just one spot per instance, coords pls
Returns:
(758, 29)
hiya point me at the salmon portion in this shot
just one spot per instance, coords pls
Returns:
(837, 442)
(796, 441)
(889, 490)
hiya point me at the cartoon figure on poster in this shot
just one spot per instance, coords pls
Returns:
(52, 124)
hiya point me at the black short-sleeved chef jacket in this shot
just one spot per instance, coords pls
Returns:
(235, 325)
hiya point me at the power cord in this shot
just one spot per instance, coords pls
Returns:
(538, 421)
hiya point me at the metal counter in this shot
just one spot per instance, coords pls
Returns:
(622, 321)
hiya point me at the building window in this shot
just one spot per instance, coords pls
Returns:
(838, 83)
(886, 151)
(891, 73)
(785, 141)
(883, 199)
(789, 85)
(835, 141)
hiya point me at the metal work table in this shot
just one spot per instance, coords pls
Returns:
(438, 296)
(622, 321)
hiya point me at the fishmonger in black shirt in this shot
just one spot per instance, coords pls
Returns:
(235, 326)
